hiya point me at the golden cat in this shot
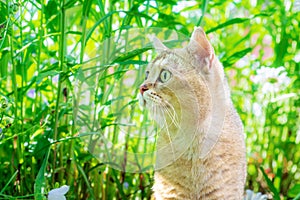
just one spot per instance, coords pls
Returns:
(200, 148)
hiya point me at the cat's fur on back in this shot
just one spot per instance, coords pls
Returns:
(201, 148)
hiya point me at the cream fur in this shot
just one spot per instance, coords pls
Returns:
(201, 151)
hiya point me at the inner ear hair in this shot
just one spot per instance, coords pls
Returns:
(201, 49)
(158, 45)
(200, 38)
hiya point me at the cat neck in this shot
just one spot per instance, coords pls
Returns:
(195, 136)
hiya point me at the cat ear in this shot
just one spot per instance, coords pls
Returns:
(200, 46)
(158, 45)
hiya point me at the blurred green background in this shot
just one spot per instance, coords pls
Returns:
(52, 52)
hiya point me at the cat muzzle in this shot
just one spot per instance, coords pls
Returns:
(144, 88)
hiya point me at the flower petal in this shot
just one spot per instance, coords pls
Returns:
(58, 193)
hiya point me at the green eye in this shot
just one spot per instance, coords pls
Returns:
(165, 75)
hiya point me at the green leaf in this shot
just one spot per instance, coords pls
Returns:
(86, 180)
(44, 74)
(9, 181)
(70, 4)
(86, 7)
(270, 184)
(228, 23)
(235, 57)
(116, 74)
(91, 30)
(40, 181)
(41, 147)
(109, 102)
(294, 191)
(134, 62)
(203, 9)
(130, 54)
(297, 197)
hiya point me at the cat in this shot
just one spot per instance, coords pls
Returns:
(201, 150)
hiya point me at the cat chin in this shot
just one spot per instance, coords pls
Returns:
(142, 101)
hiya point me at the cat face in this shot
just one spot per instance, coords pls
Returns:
(159, 92)
(162, 79)
(178, 81)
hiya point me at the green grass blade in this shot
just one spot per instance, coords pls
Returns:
(91, 30)
(235, 57)
(297, 197)
(130, 54)
(228, 23)
(40, 181)
(203, 9)
(270, 184)
(86, 180)
(9, 181)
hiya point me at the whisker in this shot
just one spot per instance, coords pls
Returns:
(172, 114)
(172, 117)
(168, 133)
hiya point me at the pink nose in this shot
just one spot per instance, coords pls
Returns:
(143, 88)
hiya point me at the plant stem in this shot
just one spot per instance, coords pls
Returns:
(38, 99)
(59, 88)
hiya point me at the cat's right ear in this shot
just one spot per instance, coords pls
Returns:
(158, 45)
(200, 47)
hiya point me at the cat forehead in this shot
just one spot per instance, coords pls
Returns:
(167, 59)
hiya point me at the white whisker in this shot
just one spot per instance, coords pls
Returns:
(168, 132)
(172, 114)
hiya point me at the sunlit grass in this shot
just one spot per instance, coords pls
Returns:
(52, 52)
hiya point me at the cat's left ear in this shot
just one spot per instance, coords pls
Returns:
(158, 45)
(200, 47)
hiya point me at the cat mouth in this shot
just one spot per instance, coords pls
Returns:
(150, 98)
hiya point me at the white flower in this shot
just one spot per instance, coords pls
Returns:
(250, 195)
(58, 193)
(271, 79)
(257, 109)
(31, 93)
(297, 55)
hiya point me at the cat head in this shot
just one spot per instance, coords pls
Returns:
(180, 81)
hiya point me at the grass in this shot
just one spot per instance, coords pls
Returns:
(70, 72)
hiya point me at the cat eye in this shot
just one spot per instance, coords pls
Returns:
(165, 75)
